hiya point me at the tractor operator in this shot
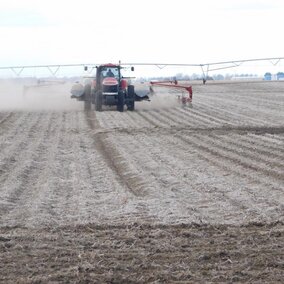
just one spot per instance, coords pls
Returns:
(109, 73)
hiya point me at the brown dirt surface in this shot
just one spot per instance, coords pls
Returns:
(164, 194)
(143, 254)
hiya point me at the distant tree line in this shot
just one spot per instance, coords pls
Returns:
(195, 76)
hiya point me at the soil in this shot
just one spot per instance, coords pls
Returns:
(164, 194)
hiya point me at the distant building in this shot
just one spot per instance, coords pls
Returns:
(268, 76)
(280, 76)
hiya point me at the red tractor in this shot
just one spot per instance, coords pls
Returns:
(109, 88)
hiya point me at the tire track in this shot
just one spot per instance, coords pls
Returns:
(160, 181)
(88, 192)
(6, 118)
(133, 182)
(171, 184)
(69, 181)
(135, 187)
(245, 202)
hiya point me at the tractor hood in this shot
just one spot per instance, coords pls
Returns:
(110, 81)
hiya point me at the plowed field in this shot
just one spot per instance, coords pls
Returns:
(160, 195)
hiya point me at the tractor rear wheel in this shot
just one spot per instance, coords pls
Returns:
(131, 98)
(87, 97)
(120, 102)
(98, 100)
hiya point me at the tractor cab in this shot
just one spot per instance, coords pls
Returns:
(110, 72)
(107, 71)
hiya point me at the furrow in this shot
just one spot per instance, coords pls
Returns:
(17, 144)
(36, 189)
(183, 183)
(159, 180)
(139, 121)
(6, 118)
(203, 115)
(275, 139)
(226, 116)
(163, 119)
(234, 113)
(267, 142)
(13, 129)
(189, 118)
(111, 155)
(15, 183)
(256, 149)
(230, 162)
(247, 111)
(152, 120)
(207, 179)
(244, 157)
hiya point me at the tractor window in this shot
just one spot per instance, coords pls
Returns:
(110, 72)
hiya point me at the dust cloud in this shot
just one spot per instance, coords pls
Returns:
(159, 100)
(32, 95)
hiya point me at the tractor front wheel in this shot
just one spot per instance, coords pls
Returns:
(120, 102)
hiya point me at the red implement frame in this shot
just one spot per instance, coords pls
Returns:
(174, 84)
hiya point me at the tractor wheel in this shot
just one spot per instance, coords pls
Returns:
(120, 103)
(98, 100)
(131, 96)
(87, 97)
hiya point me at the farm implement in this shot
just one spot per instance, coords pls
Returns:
(186, 90)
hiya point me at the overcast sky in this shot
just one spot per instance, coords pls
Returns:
(176, 31)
